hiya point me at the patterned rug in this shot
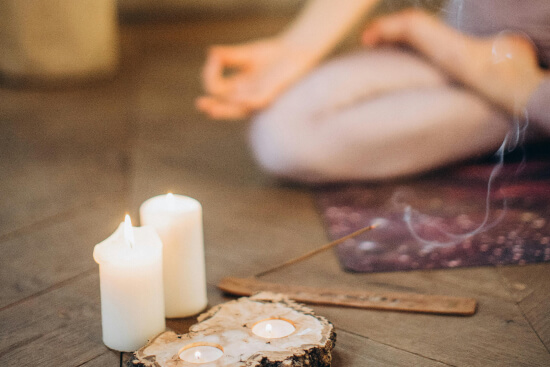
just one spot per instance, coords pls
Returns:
(451, 218)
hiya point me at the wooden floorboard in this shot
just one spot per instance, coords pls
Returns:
(59, 150)
(530, 285)
(354, 350)
(59, 328)
(72, 161)
(109, 358)
(39, 260)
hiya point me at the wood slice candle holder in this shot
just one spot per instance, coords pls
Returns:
(265, 330)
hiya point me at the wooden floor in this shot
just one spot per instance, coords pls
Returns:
(73, 161)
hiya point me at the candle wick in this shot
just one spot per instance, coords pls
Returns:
(197, 355)
(268, 328)
(129, 243)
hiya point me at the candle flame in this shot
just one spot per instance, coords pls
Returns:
(268, 328)
(198, 355)
(128, 231)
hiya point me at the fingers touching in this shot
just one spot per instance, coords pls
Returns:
(221, 110)
(221, 58)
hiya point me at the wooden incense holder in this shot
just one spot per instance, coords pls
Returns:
(229, 327)
(409, 302)
(406, 302)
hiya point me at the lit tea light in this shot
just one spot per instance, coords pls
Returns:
(199, 353)
(273, 328)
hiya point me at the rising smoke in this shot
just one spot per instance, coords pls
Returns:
(513, 140)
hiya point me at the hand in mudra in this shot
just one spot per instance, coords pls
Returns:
(242, 79)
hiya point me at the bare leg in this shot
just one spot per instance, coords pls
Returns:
(373, 115)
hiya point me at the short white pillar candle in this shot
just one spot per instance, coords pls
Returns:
(178, 221)
(132, 295)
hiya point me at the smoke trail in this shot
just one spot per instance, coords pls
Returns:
(514, 139)
(453, 239)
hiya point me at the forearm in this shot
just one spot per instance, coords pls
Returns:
(322, 24)
(503, 68)
(490, 66)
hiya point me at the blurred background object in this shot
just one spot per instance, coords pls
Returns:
(152, 8)
(66, 42)
(57, 40)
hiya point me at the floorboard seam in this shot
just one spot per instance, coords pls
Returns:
(518, 304)
(19, 344)
(55, 218)
(532, 327)
(91, 359)
(51, 288)
(394, 347)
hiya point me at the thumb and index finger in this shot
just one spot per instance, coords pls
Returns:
(252, 82)
(220, 89)
(219, 59)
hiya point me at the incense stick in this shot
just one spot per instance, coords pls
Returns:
(316, 251)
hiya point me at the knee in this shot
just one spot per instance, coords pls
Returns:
(293, 147)
(281, 147)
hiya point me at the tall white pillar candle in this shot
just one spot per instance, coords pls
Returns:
(178, 221)
(132, 295)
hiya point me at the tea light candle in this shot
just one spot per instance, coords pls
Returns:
(273, 328)
(132, 295)
(178, 221)
(201, 353)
